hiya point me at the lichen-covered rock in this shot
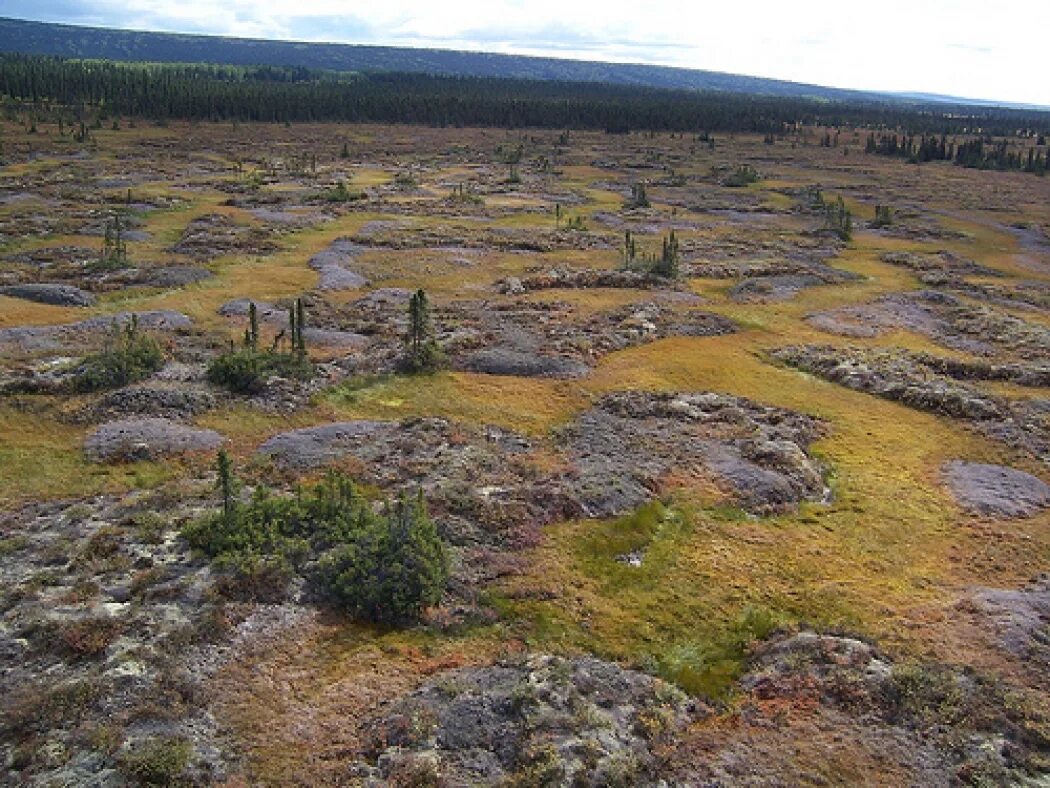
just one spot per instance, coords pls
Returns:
(168, 401)
(147, 439)
(937, 385)
(973, 328)
(508, 361)
(995, 490)
(312, 447)
(217, 234)
(32, 339)
(815, 703)
(543, 720)
(1020, 619)
(630, 442)
(573, 278)
(58, 295)
(331, 264)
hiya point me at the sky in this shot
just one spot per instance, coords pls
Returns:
(952, 47)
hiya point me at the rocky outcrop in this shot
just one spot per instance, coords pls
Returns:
(147, 439)
(944, 318)
(58, 295)
(994, 490)
(916, 380)
(71, 336)
(541, 720)
(331, 264)
(630, 443)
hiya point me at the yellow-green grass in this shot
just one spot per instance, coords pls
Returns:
(40, 457)
(531, 406)
(890, 540)
(20, 312)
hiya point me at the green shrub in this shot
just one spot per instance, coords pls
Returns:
(838, 219)
(744, 176)
(393, 570)
(380, 567)
(157, 762)
(340, 193)
(128, 356)
(244, 371)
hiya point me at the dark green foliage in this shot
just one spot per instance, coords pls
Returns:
(883, 216)
(129, 355)
(380, 567)
(638, 198)
(394, 570)
(983, 153)
(667, 264)
(744, 176)
(298, 339)
(838, 219)
(340, 193)
(630, 249)
(226, 484)
(422, 353)
(114, 248)
(290, 93)
(245, 370)
(460, 194)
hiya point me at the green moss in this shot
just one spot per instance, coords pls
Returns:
(711, 668)
(157, 762)
(609, 550)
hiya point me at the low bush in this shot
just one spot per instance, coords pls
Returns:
(382, 567)
(157, 762)
(128, 356)
(87, 637)
(244, 371)
(745, 175)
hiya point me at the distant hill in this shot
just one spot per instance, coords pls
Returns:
(89, 42)
(940, 98)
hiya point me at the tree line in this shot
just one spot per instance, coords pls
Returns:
(982, 152)
(45, 84)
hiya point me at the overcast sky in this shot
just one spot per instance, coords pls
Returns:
(955, 47)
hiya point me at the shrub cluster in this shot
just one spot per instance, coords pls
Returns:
(243, 370)
(129, 355)
(385, 566)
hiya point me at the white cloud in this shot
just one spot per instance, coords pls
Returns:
(964, 48)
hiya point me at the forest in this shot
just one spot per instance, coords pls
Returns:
(298, 94)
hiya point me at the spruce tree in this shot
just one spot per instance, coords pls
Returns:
(422, 353)
(227, 485)
(253, 326)
(300, 322)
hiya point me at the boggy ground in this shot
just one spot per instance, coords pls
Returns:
(783, 518)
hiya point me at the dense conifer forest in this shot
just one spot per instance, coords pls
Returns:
(297, 94)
